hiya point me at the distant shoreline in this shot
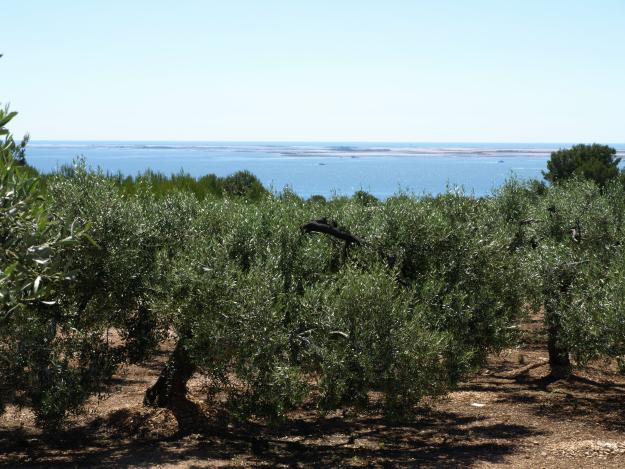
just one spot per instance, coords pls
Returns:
(329, 149)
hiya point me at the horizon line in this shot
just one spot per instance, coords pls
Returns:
(507, 142)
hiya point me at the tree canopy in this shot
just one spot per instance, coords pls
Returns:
(596, 162)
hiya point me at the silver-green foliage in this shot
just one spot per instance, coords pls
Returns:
(571, 249)
(274, 317)
(38, 339)
(119, 272)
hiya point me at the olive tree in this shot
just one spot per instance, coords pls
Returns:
(46, 361)
(272, 316)
(120, 271)
(578, 237)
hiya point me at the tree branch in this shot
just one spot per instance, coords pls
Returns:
(322, 226)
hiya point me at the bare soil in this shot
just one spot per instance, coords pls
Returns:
(507, 415)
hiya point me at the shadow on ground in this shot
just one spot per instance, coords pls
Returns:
(577, 398)
(434, 439)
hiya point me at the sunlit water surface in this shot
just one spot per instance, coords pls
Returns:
(318, 168)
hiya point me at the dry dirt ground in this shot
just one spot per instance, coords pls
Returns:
(504, 416)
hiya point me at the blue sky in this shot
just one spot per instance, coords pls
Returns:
(341, 70)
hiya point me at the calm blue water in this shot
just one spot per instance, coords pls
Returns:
(317, 168)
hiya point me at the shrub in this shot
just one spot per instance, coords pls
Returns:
(243, 184)
(364, 198)
(317, 199)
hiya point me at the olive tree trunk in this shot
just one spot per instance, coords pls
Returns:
(171, 385)
(559, 360)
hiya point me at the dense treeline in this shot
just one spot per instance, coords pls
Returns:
(98, 270)
(242, 183)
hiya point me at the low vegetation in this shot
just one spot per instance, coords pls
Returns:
(97, 270)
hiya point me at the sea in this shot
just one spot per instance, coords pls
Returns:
(311, 168)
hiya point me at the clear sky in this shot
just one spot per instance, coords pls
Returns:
(328, 70)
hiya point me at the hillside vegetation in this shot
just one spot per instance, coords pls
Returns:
(97, 270)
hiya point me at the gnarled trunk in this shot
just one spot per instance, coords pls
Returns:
(171, 385)
(559, 360)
